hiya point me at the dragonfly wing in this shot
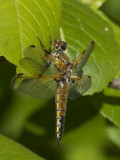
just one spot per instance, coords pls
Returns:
(35, 60)
(79, 87)
(82, 59)
(31, 65)
(50, 70)
(38, 88)
(73, 93)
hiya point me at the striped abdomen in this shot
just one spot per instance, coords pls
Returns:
(61, 98)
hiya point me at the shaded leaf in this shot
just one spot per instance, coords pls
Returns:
(108, 103)
(114, 135)
(112, 9)
(12, 150)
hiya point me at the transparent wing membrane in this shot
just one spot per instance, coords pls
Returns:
(79, 87)
(31, 65)
(82, 59)
(33, 85)
(35, 60)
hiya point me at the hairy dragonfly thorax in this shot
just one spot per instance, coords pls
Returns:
(62, 62)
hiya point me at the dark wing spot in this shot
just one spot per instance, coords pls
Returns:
(89, 77)
(83, 53)
(19, 74)
(32, 46)
(40, 75)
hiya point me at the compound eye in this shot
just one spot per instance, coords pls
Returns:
(63, 45)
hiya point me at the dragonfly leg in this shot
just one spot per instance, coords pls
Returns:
(43, 46)
(50, 40)
(73, 77)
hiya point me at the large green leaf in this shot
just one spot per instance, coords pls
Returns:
(80, 26)
(22, 21)
(108, 102)
(10, 150)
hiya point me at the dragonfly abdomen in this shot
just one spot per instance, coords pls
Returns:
(61, 98)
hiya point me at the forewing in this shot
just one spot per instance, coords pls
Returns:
(35, 60)
(84, 57)
(32, 66)
(79, 87)
(38, 88)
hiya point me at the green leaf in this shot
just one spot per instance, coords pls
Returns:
(21, 23)
(108, 103)
(10, 150)
(80, 26)
(94, 4)
(115, 27)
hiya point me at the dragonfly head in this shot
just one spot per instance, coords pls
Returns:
(58, 46)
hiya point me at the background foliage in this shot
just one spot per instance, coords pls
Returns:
(92, 122)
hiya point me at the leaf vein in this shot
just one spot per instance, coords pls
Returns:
(29, 25)
(33, 18)
(43, 15)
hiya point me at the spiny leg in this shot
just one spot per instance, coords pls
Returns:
(73, 77)
(43, 46)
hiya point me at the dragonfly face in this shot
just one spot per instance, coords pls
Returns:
(58, 46)
(54, 74)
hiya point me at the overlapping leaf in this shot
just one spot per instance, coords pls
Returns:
(12, 150)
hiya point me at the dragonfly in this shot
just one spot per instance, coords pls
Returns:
(52, 73)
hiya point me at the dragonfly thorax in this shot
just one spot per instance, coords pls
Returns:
(62, 63)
